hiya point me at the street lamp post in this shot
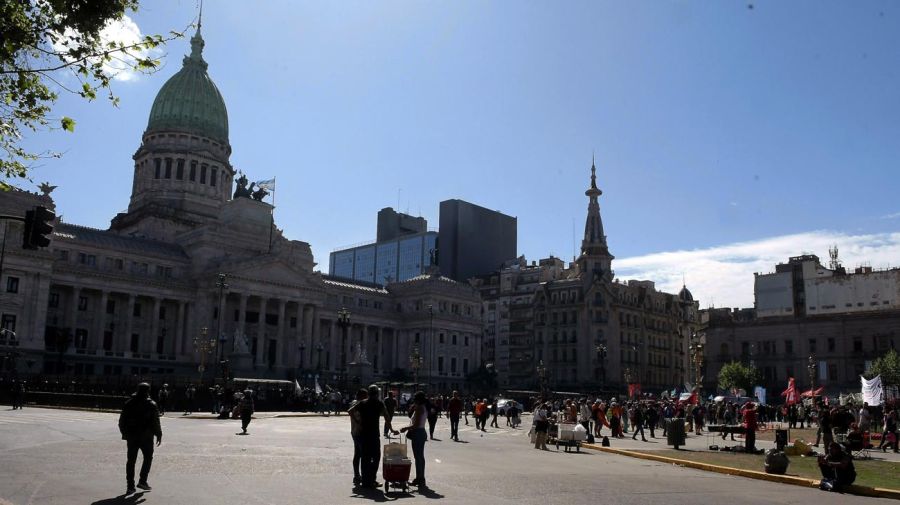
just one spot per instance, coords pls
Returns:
(10, 353)
(628, 378)
(601, 360)
(300, 348)
(204, 346)
(415, 362)
(319, 349)
(222, 285)
(697, 359)
(343, 320)
(542, 378)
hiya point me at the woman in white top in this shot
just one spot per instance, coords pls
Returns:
(416, 434)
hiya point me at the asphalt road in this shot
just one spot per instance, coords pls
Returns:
(69, 457)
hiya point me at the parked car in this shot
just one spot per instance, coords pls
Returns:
(502, 405)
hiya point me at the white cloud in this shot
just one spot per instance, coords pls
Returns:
(895, 215)
(723, 275)
(124, 30)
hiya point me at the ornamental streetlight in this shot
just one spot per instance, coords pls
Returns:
(542, 378)
(319, 349)
(431, 344)
(204, 347)
(811, 368)
(415, 362)
(343, 320)
(601, 360)
(628, 376)
(696, 349)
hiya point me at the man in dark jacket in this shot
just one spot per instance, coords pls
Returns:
(138, 424)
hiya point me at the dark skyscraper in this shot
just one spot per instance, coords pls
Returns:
(474, 240)
(393, 225)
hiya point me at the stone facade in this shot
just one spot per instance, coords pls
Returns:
(591, 331)
(132, 299)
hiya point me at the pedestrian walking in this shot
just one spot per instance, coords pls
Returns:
(454, 408)
(246, 409)
(415, 432)
(493, 410)
(390, 405)
(485, 412)
(356, 435)
(434, 411)
(889, 433)
(139, 424)
(638, 425)
(18, 395)
(652, 419)
(371, 410)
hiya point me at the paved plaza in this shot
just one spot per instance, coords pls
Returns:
(73, 457)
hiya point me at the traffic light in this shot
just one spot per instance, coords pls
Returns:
(38, 227)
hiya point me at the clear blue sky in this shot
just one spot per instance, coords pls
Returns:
(712, 122)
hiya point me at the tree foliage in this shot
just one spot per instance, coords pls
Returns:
(888, 367)
(53, 46)
(738, 375)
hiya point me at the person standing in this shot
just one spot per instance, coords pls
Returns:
(652, 419)
(826, 431)
(749, 413)
(454, 408)
(480, 418)
(138, 424)
(434, 411)
(889, 434)
(415, 432)
(163, 397)
(246, 410)
(541, 426)
(189, 394)
(390, 405)
(355, 433)
(370, 411)
(864, 418)
(18, 395)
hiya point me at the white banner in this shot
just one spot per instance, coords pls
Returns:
(872, 392)
(760, 393)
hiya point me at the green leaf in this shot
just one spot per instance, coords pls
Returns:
(68, 124)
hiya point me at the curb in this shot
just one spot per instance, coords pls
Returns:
(875, 492)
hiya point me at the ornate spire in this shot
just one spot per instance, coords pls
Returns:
(197, 44)
(594, 242)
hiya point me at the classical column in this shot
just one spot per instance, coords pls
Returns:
(154, 325)
(261, 332)
(99, 323)
(73, 315)
(379, 335)
(242, 315)
(364, 338)
(281, 359)
(315, 340)
(395, 349)
(333, 344)
(298, 334)
(178, 348)
(125, 343)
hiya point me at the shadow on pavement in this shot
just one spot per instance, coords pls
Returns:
(129, 499)
(427, 492)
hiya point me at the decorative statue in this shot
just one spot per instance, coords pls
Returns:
(433, 254)
(240, 343)
(260, 193)
(46, 188)
(241, 191)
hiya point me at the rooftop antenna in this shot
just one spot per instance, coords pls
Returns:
(835, 263)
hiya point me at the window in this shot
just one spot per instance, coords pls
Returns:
(417, 337)
(179, 170)
(81, 338)
(168, 168)
(789, 347)
(162, 313)
(465, 365)
(293, 323)
(53, 301)
(203, 173)
(857, 345)
(107, 340)
(212, 176)
(441, 338)
(160, 344)
(466, 340)
(832, 372)
(453, 339)
(158, 164)
(110, 306)
(12, 284)
(135, 341)
(831, 345)
(440, 364)
(452, 365)
(62, 254)
(87, 259)
(812, 345)
(82, 303)
(272, 319)
(8, 322)
(193, 176)
(137, 310)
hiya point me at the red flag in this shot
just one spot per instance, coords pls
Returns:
(790, 394)
(634, 390)
(694, 399)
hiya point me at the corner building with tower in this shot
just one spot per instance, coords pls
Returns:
(194, 259)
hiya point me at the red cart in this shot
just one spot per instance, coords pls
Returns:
(395, 465)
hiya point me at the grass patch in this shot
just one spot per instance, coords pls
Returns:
(872, 473)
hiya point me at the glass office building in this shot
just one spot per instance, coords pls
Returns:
(385, 262)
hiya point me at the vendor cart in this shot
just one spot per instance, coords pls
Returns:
(569, 435)
(396, 465)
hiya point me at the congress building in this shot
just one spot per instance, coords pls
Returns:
(196, 257)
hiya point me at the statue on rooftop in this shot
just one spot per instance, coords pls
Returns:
(242, 191)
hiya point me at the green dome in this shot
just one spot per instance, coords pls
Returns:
(189, 101)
